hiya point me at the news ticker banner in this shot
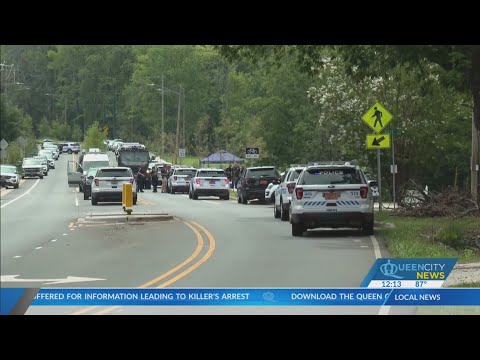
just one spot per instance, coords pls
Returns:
(390, 282)
(409, 273)
(248, 297)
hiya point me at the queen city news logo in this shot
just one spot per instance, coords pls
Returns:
(400, 272)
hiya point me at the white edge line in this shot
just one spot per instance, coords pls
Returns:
(76, 199)
(384, 310)
(25, 193)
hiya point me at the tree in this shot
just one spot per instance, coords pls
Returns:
(94, 137)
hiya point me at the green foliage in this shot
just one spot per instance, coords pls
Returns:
(60, 130)
(94, 137)
(44, 130)
(77, 134)
(452, 234)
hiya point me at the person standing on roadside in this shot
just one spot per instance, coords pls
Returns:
(154, 175)
(140, 180)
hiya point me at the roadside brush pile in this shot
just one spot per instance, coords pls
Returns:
(418, 202)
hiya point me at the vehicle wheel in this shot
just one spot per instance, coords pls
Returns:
(94, 200)
(283, 214)
(244, 201)
(85, 196)
(239, 200)
(41, 176)
(15, 186)
(194, 196)
(297, 229)
(134, 200)
(226, 197)
(69, 151)
(23, 177)
(276, 212)
(190, 194)
(172, 190)
(368, 228)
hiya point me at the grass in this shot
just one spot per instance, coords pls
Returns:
(468, 284)
(429, 237)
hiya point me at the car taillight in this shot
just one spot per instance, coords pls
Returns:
(96, 182)
(290, 188)
(197, 181)
(364, 192)
(131, 180)
(299, 193)
(227, 181)
(175, 178)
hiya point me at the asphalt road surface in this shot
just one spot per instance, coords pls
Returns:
(208, 243)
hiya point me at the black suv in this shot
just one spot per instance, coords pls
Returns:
(253, 182)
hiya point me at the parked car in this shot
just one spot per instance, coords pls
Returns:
(179, 180)
(284, 193)
(331, 196)
(71, 147)
(107, 184)
(32, 167)
(44, 162)
(86, 184)
(48, 153)
(9, 176)
(209, 182)
(373, 184)
(253, 182)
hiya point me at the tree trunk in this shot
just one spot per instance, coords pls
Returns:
(475, 88)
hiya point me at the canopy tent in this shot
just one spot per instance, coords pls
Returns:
(221, 157)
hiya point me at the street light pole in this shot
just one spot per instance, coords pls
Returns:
(163, 133)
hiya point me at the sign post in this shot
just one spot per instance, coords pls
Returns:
(252, 153)
(377, 117)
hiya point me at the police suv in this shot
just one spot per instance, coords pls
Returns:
(284, 192)
(209, 182)
(331, 195)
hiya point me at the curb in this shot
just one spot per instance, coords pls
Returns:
(117, 218)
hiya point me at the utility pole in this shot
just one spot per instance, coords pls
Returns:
(163, 133)
(177, 135)
(65, 110)
(475, 161)
(183, 120)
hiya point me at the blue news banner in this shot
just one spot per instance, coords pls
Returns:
(257, 297)
(390, 282)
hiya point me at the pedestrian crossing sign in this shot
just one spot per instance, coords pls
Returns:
(377, 117)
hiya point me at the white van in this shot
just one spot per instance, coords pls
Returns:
(93, 160)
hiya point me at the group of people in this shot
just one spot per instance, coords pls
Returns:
(153, 176)
(233, 174)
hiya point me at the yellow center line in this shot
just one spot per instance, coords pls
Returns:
(198, 249)
(183, 273)
(207, 255)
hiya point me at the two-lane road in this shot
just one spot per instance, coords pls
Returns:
(209, 243)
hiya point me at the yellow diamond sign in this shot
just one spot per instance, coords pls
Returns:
(378, 141)
(377, 117)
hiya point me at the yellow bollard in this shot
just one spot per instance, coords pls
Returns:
(127, 196)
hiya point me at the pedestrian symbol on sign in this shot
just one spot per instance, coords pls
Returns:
(378, 117)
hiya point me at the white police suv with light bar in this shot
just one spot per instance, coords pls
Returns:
(331, 195)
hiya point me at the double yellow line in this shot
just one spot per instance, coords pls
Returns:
(178, 272)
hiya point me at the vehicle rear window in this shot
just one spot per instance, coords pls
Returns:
(213, 173)
(295, 174)
(134, 156)
(114, 173)
(257, 173)
(185, 172)
(88, 164)
(331, 176)
(76, 144)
